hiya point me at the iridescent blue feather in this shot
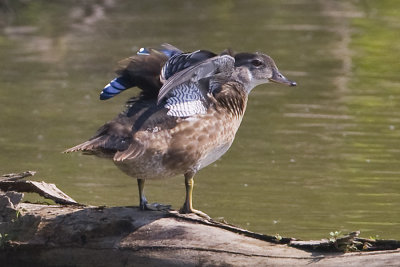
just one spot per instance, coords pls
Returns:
(125, 81)
(115, 87)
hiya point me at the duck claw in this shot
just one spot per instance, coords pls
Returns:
(156, 207)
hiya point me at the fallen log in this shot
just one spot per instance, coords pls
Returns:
(71, 235)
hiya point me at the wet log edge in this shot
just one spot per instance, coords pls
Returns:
(12, 182)
(322, 245)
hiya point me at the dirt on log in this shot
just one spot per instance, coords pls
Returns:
(73, 235)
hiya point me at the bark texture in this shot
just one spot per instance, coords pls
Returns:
(72, 235)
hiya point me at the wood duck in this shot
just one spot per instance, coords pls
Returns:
(186, 116)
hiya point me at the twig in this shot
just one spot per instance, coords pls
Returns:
(46, 190)
(16, 176)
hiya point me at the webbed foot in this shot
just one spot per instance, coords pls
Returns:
(188, 206)
(144, 205)
(186, 210)
(155, 207)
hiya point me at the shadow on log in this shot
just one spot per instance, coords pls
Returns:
(71, 235)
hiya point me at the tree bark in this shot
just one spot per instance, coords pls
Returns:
(71, 235)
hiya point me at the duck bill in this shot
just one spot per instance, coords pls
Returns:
(277, 77)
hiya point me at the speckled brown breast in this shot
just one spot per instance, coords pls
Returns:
(191, 145)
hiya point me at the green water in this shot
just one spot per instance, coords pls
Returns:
(321, 157)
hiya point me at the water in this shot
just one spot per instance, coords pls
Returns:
(321, 157)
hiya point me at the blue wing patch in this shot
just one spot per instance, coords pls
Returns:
(115, 87)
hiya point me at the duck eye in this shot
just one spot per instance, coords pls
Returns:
(256, 62)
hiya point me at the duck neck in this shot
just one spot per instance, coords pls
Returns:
(244, 76)
(233, 99)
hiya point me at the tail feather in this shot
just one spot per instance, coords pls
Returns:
(97, 147)
(88, 146)
(111, 141)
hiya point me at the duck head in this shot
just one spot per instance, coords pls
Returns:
(253, 69)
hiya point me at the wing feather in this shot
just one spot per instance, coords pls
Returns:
(219, 64)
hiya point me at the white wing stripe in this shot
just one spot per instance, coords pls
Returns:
(186, 100)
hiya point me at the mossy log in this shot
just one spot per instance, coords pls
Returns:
(74, 235)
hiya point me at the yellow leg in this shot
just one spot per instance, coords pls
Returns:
(188, 205)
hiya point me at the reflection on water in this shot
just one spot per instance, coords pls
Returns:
(306, 161)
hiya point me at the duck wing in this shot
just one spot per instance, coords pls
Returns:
(150, 68)
(141, 70)
(185, 93)
(179, 62)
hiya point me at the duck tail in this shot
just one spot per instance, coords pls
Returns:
(98, 147)
(87, 146)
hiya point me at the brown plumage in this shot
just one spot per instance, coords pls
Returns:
(190, 126)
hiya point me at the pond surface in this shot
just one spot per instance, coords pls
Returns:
(323, 156)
